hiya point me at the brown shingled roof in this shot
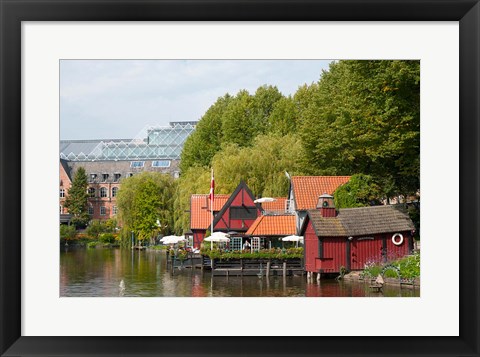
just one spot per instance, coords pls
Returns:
(273, 226)
(362, 221)
(200, 214)
(306, 189)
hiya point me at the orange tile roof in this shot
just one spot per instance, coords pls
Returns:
(273, 226)
(200, 214)
(306, 189)
(278, 205)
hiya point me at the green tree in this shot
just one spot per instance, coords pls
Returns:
(282, 119)
(364, 116)
(205, 141)
(264, 102)
(359, 191)
(143, 200)
(237, 120)
(77, 199)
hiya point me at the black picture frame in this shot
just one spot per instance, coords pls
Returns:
(13, 12)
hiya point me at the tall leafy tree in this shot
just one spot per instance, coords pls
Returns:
(77, 199)
(359, 191)
(205, 141)
(264, 102)
(364, 116)
(237, 120)
(282, 119)
(143, 200)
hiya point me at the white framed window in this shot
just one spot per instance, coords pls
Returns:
(289, 206)
(236, 243)
(103, 210)
(91, 210)
(189, 241)
(137, 164)
(116, 177)
(93, 177)
(91, 192)
(62, 193)
(161, 163)
(114, 191)
(103, 192)
(104, 177)
(114, 210)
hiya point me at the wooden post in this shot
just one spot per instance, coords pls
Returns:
(212, 265)
(284, 268)
(268, 269)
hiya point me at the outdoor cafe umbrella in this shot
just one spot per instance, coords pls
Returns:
(293, 238)
(264, 199)
(173, 239)
(217, 237)
(163, 239)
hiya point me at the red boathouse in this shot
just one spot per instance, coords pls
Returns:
(353, 237)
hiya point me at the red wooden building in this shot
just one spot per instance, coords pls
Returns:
(235, 212)
(201, 214)
(353, 237)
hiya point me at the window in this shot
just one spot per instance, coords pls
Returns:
(103, 192)
(116, 177)
(189, 241)
(104, 177)
(114, 191)
(257, 243)
(236, 243)
(91, 192)
(93, 177)
(243, 212)
(161, 163)
(103, 210)
(137, 164)
(114, 210)
(62, 193)
(90, 210)
(130, 174)
(289, 206)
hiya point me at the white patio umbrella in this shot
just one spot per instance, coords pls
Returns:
(264, 199)
(217, 237)
(293, 238)
(173, 239)
(163, 239)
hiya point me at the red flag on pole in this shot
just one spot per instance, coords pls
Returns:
(211, 196)
(212, 189)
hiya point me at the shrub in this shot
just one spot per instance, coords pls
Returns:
(67, 232)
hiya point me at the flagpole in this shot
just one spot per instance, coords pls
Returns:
(212, 188)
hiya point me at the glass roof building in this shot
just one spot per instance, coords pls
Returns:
(152, 143)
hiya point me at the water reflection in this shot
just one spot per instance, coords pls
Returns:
(116, 272)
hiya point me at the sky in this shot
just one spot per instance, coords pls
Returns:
(116, 99)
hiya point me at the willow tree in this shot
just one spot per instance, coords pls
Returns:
(145, 205)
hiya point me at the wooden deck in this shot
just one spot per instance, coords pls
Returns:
(250, 267)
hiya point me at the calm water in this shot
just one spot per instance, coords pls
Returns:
(98, 272)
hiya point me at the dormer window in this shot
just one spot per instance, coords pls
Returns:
(116, 177)
(104, 177)
(93, 177)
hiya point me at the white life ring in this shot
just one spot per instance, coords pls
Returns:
(394, 239)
